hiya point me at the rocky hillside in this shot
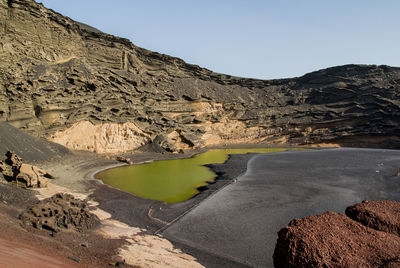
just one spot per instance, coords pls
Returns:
(56, 74)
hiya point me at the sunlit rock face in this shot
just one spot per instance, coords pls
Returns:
(101, 138)
(55, 72)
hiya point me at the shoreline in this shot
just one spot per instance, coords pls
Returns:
(232, 168)
(123, 213)
(150, 157)
(137, 225)
(161, 210)
(155, 216)
(242, 221)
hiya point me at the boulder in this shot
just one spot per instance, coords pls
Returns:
(22, 174)
(13, 160)
(191, 139)
(61, 211)
(6, 170)
(124, 159)
(334, 240)
(32, 176)
(163, 142)
(382, 215)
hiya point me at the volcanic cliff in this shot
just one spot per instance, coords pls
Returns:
(60, 78)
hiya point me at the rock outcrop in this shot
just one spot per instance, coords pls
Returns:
(335, 240)
(379, 215)
(22, 174)
(56, 73)
(124, 159)
(101, 138)
(61, 211)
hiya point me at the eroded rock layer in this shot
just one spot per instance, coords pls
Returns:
(55, 73)
(101, 138)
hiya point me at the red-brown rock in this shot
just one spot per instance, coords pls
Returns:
(334, 240)
(383, 215)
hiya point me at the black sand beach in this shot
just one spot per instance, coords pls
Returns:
(240, 222)
(155, 216)
(234, 222)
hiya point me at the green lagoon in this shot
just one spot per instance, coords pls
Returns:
(171, 181)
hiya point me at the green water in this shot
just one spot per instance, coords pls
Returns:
(171, 181)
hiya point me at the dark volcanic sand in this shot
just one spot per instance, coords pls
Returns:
(240, 222)
(232, 226)
(235, 224)
(134, 210)
(29, 148)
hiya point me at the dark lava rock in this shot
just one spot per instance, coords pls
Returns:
(118, 264)
(124, 159)
(13, 160)
(6, 170)
(334, 240)
(382, 215)
(61, 211)
(10, 166)
(202, 188)
(77, 73)
(75, 259)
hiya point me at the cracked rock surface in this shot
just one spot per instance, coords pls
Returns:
(56, 73)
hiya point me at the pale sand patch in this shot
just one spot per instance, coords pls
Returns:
(325, 145)
(114, 229)
(52, 189)
(142, 249)
(145, 250)
(101, 214)
(155, 251)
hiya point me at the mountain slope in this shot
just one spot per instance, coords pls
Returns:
(54, 74)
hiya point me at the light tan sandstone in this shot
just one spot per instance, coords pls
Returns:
(101, 138)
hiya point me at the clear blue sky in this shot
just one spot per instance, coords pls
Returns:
(251, 38)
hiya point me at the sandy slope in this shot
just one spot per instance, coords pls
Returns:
(20, 255)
